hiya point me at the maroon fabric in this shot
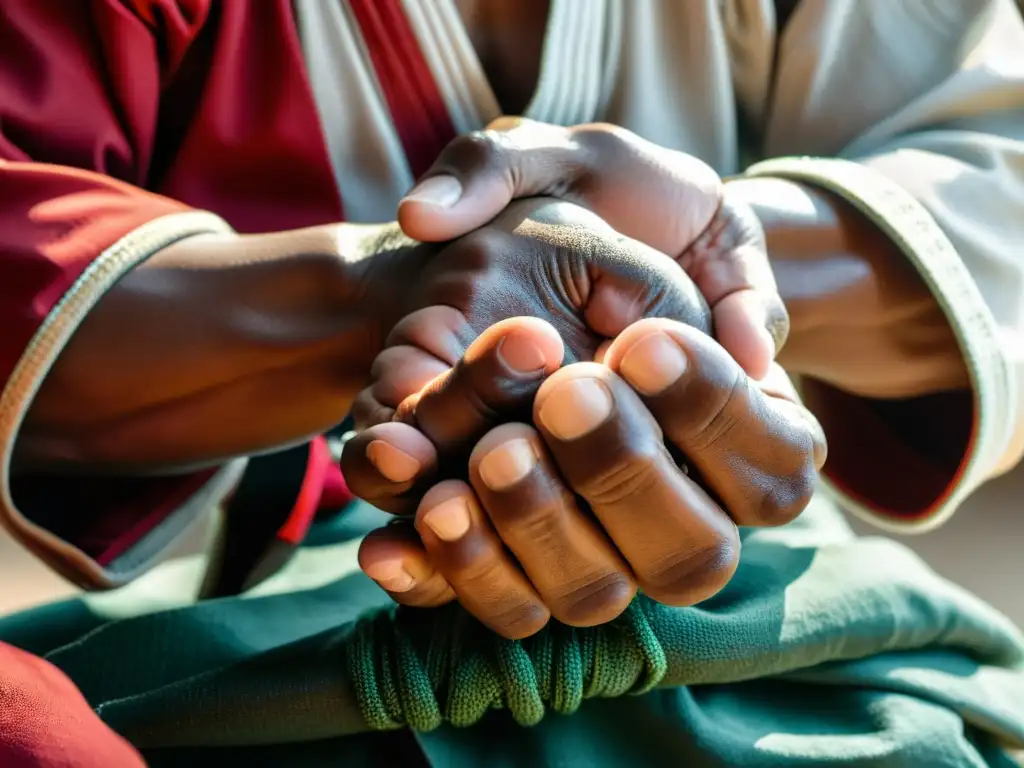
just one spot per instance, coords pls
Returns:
(113, 113)
(417, 108)
(875, 446)
(46, 723)
(104, 103)
(104, 517)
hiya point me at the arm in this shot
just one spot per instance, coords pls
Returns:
(907, 350)
(138, 335)
(167, 370)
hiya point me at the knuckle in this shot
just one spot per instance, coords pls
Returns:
(474, 566)
(473, 151)
(732, 226)
(455, 415)
(540, 527)
(478, 249)
(472, 277)
(494, 390)
(600, 145)
(690, 576)
(786, 497)
(808, 438)
(595, 599)
(633, 474)
(786, 492)
(602, 139)
(435, 329)
(724, 413)
(522, 618)
(482, 393)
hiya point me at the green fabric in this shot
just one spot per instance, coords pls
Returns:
(824, 649)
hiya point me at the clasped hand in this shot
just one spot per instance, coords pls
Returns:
(526, 488)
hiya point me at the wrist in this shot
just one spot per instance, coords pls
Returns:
(814, 247)
(861, 317)
(804, 235)
(379, 267)
(270, 298)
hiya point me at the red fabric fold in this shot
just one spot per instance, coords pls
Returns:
(45, 722)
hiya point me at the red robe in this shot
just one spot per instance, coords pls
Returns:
(115, 113)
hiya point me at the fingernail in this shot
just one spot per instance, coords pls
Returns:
(507, 464)
(521, 354)
(442, 191)
(449, 519)
(397, 466)
(653, 364)
(391, 575)
(576, 408)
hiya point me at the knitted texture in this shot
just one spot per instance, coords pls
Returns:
(422, 668)
(823, 649)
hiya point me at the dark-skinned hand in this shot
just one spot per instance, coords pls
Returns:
(568, 512)
(541, 258)
(670, 200)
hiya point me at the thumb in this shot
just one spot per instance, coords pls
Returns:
(479, 174)
(730, 265)
(440, 208)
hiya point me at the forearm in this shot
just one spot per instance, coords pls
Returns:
(217, 346)
(861, 317)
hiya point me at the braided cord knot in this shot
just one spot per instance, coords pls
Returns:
(419, 668)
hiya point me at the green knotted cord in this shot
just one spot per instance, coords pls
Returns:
(420, 668)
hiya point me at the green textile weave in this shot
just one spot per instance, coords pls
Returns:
(824, 649)
(398, 662)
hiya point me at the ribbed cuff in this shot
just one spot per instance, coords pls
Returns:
(35, 364)
(912, 228)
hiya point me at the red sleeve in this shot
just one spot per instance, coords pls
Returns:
(79, 84)
(79, 90)
(45, 722)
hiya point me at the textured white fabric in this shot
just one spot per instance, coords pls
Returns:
(366, 155)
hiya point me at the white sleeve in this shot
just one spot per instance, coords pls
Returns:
(944, 177)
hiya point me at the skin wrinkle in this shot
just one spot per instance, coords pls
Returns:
(741, 437)
(690, 553)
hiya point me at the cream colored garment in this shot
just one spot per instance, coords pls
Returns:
(922, 101)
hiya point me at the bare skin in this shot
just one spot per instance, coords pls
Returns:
(753, 449)
(199, 386)
(569, 511)
(806, 277)
(860, 280)
(547, 522)
(167, 371)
